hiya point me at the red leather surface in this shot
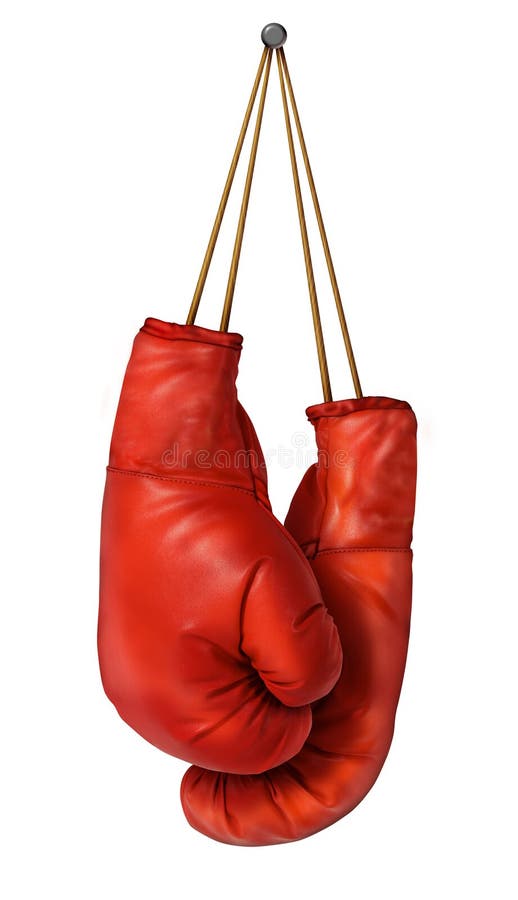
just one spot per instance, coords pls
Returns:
(353, 513)
(213, 638)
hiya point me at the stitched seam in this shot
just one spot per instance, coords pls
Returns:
(366, 550)
(242, 609)
(326, 490)
(240, 423)
(230, 487)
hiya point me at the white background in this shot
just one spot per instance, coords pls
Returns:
(118, 120)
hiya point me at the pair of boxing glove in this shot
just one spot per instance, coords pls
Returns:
(269, 657)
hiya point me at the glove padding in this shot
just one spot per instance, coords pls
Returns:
(213, 637)
(352, 514)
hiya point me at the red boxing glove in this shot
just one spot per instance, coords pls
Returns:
(213, 638)
(352, 515)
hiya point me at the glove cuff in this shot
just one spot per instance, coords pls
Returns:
(178, 414)
(368, 461)
(360, 494)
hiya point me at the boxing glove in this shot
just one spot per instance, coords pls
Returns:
(213, 638)
(352, 514)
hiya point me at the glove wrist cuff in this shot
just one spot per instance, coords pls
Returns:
(178, 413)
(368, 465)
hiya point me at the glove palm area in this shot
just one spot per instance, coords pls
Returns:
(213, 638)
(352, 514)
